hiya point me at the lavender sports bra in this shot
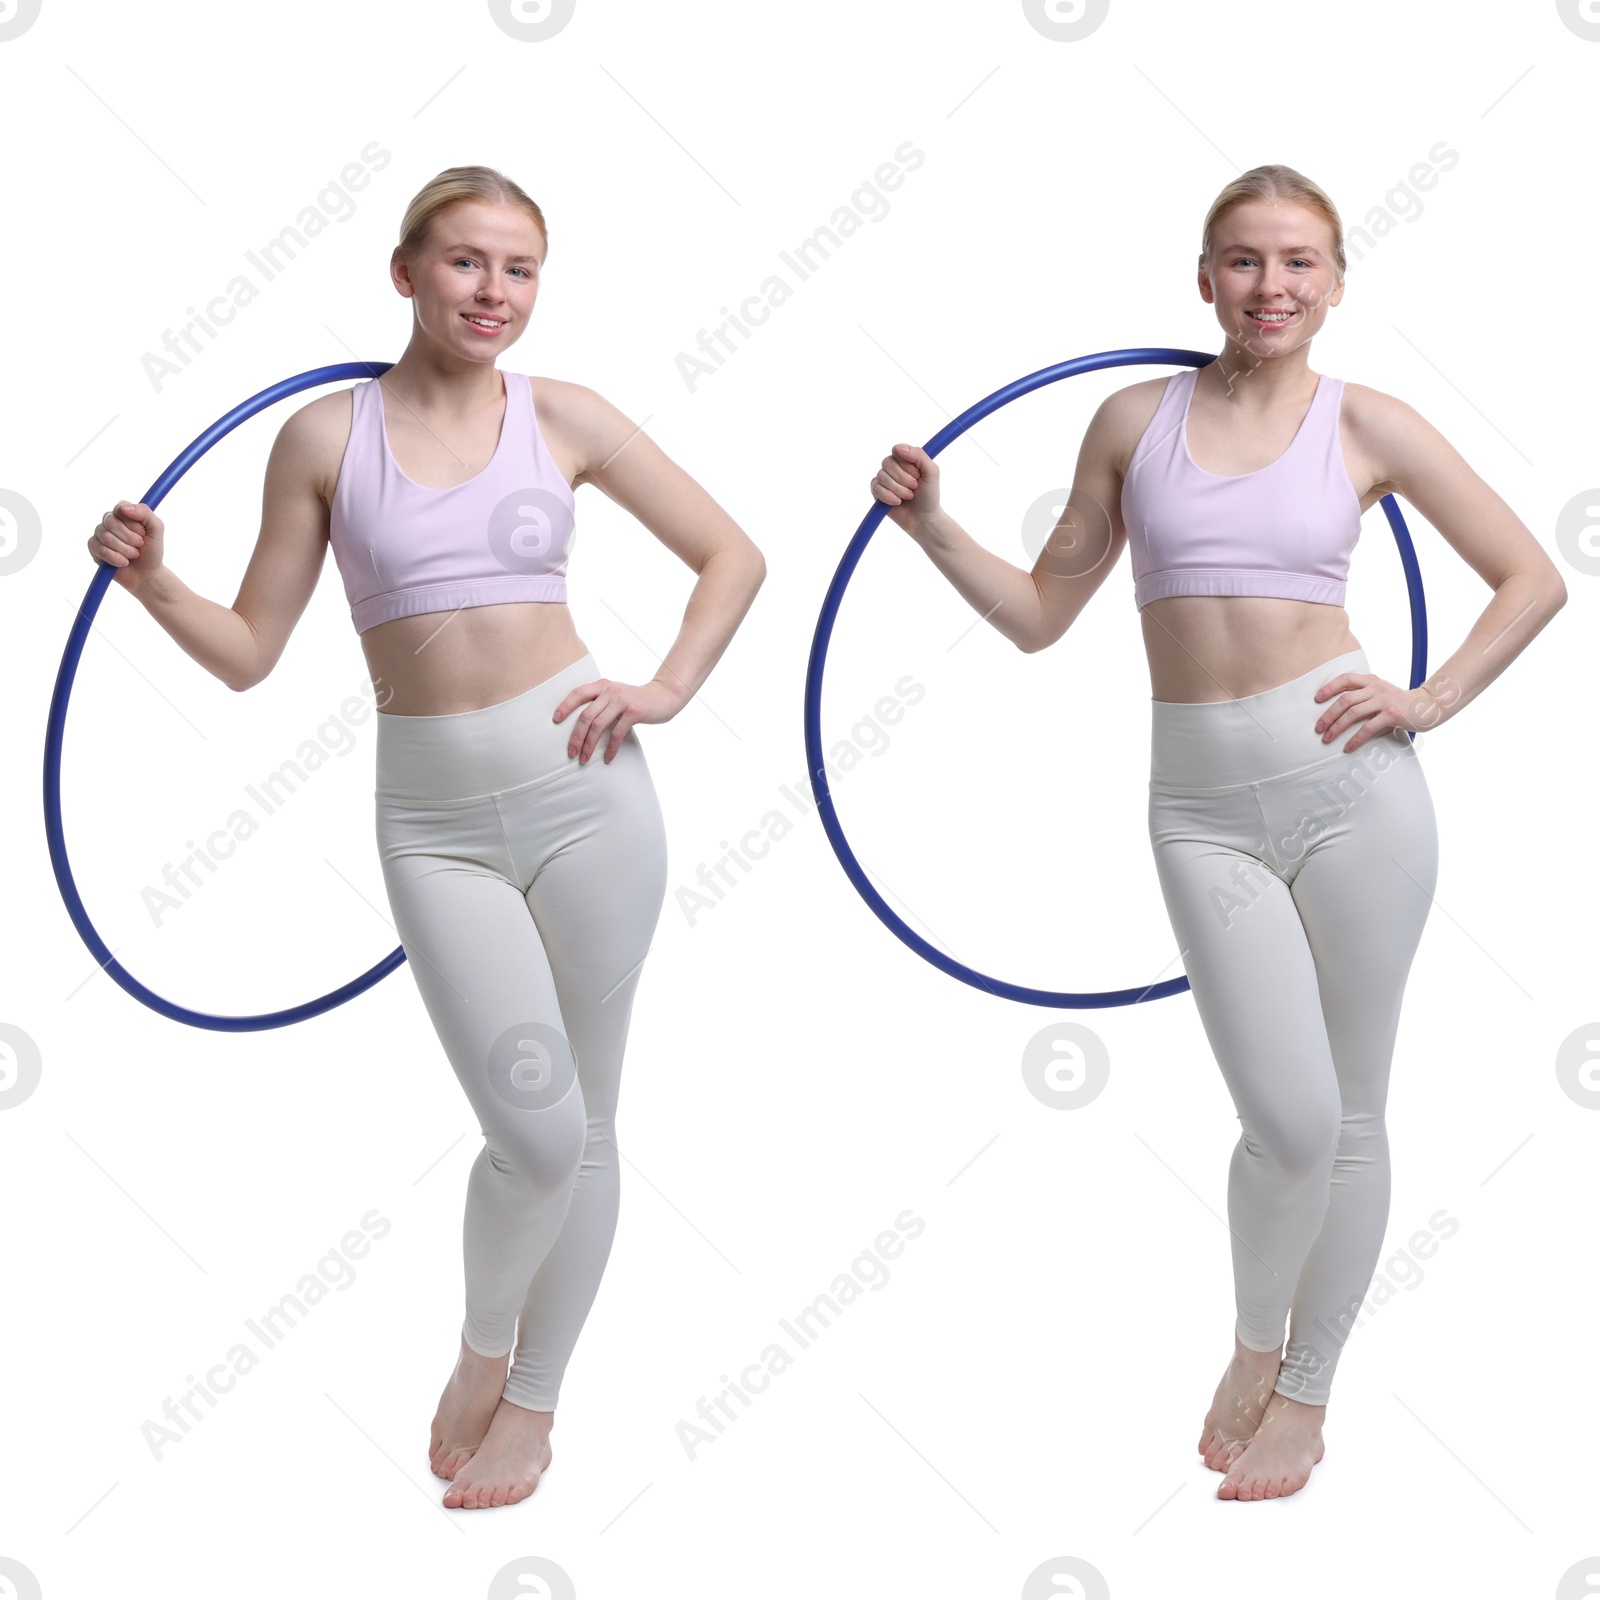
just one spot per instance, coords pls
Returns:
(403, 549)
(1286, 530)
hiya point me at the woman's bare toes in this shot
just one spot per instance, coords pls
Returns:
(1279, 1458)
(507, 1466)
(465, 1409)
(1238, 1405)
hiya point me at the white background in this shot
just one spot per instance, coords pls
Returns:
(1030, 1382)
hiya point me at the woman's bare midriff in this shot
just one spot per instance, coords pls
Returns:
(448, 661)
(1220, 647)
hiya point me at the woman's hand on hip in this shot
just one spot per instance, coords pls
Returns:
(1375, 703)
(614, 706)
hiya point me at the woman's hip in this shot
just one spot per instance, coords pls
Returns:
(1254, 776)
(496, 789)
(467, 756)
(1213, 745)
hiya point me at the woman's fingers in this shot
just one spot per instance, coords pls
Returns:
(584, 733)
(596, 734)
(134, 521)
(895, 483)
(123, 534)
(115, 528)
(611, 719)
(105, 546)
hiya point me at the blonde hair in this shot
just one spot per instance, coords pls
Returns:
(451, 187)
(1270, 183)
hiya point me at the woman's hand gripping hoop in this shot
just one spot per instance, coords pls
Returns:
(55, 730)
(830, 610)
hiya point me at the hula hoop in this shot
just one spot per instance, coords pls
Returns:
(55, 732)
(817, 769)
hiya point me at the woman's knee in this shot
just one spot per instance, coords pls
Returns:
(540, 1151)
(1300, 1140)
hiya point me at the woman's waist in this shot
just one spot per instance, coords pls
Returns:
(440, 663)
(1225, 647)
(1203, 745)
(452, 757)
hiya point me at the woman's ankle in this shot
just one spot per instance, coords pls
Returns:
(471, 1358)
(1249, 1353)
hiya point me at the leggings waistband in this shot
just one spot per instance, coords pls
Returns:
(466, 755)
(1222, 744)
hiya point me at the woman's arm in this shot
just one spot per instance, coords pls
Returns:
(241, 644)
(621, 460)
(1031, 609)
(1420, 464)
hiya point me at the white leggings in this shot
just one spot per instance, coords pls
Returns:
(1297, 880)
(526, 889)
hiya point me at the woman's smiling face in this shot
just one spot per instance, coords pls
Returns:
(474, 283)
(1271, 258)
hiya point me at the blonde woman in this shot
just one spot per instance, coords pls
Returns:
(522, 843)
(1293, 830)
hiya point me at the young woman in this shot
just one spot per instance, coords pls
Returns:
(1292, 827)
(525, 877)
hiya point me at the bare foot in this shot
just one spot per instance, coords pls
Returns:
(1280, 1456)
(465, 1407)
(1239, 1403)
(506, 1467)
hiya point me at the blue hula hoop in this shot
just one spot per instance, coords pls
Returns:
(817, 769)
(55, 731)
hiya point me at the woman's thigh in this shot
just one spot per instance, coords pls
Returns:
(477, 956)
(1250, 966)
(591, 855)
(1358, 842)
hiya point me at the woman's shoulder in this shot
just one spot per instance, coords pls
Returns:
(583, 424)
(560, 400)
(1366, 404)
(1126, 413)
(1401, 443)
(314, 437)
(326, 418)
(1370, 416)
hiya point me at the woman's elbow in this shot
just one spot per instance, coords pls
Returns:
(756, 564)
(255, 663)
